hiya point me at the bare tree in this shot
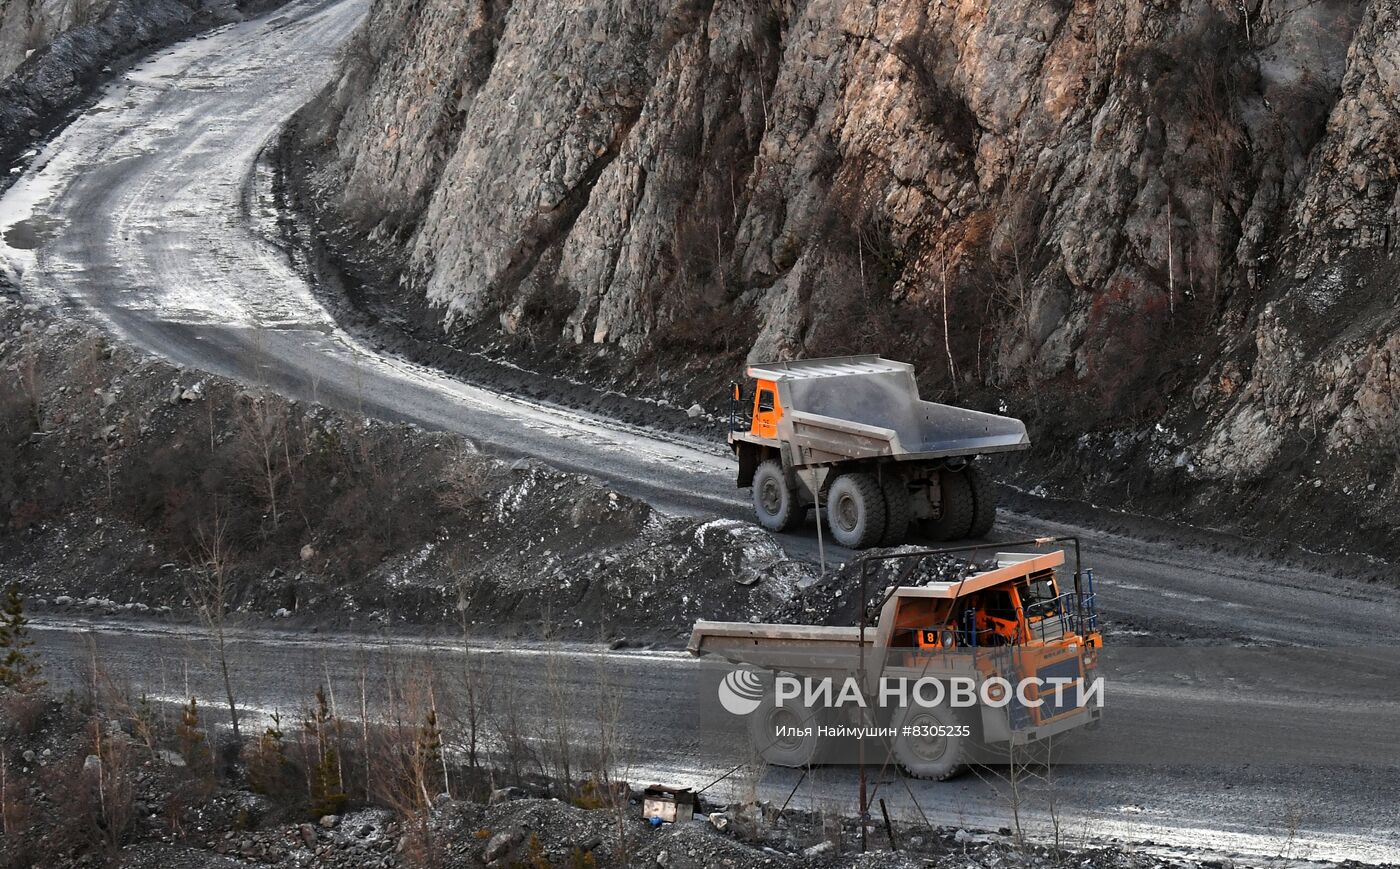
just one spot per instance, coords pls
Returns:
(209, 591)
(556, 734)
(947, 340)
(115, 786)
(364, 723)
(611, 766)
(263, 449)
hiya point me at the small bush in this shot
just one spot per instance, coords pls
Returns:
(22, 714)
(19, 665)
(270, 772)
(321, 734)
(192, 742)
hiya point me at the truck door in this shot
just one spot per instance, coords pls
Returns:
(998, 621)
(766, 409)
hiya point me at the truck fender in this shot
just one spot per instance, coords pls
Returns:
(749, 457)
(996, 725)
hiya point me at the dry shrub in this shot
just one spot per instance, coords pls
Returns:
(277, 479)
(701, 327)
(187, 795)
(409, 769)
(17, 507)
(468, 482)
(16, 819)
(419, 846)
(510, 728)
(22, 713)
(384, 500)
(91, 796)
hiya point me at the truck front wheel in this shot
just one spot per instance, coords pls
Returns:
(932, 742)
(855, 510)
(774, 501)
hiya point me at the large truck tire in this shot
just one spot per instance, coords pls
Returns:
(774, 501)
(984, 502)
(797, 745)
(898, 508)
(955, 507)
(929, 744)
(855, 510)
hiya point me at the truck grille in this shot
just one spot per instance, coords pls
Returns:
(1067, 669)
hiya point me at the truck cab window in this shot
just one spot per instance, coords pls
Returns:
(765, 401)
(1039, 591)
(1038, 597)
(997, 603)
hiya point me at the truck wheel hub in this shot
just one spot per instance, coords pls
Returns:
(927, 747)
(847, 512)
(790, 723)
(771, 496)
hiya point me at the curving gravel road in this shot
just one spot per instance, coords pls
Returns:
(152, 214)
(150, 211)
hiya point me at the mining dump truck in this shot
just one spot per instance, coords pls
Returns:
(1004, 626)
(852, 434)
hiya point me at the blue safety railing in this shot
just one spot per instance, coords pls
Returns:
(1046, 620)
(1088, 604)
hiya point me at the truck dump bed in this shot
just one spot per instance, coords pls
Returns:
(868, 406)
(779, 647)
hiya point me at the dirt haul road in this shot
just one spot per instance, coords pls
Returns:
(151, 214)
(1247, 790)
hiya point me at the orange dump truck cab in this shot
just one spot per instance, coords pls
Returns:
(767, 409)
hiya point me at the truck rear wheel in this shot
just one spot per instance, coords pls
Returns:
(784, 735)
(855, 510)
(774, 501)
(984, 502)
(897, 508)
(955, 507)
(930, 744)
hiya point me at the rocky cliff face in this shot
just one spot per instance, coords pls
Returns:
(28, 25)
(1166, 227)
(56, 53)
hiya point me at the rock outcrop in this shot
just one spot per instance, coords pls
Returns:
(1168, 225)
(29, 25)
(55, 54)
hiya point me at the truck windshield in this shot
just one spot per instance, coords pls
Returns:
(1038, 597)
